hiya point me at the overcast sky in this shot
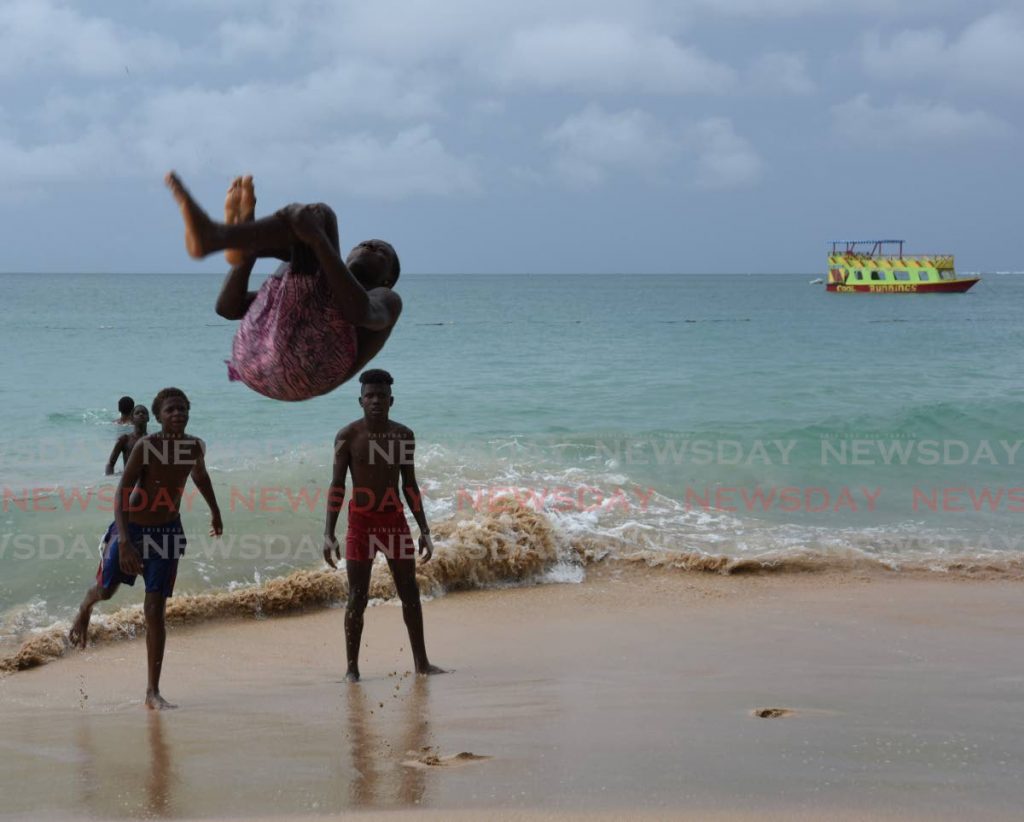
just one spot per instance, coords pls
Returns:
(521, 135)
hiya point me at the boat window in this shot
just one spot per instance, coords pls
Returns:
(922, 275)
(876, 275)
(857, 275)
(902, 276)
(947, 274)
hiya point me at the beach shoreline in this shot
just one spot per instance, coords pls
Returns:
(633, 691)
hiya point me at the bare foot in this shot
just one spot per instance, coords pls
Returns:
(80, 630)
(352, 676)
(430, 670)
(232, 216)
(247, 203)
(155, 702)
(199, 228)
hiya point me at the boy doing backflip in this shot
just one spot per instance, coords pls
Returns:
(146, 536)
(316, 321)
(379, 454)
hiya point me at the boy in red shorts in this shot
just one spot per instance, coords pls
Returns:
(379, 452)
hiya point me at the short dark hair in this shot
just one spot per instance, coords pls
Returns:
(125, 405)
(376, 376)
(167, 393)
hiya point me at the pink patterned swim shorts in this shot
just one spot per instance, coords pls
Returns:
(292, 343)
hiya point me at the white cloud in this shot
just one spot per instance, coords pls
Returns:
(257, 38)
(598, 57)
(595, 143)
(41, 36)
(335, 125)
(988, 54)
(911, 123)
(94, 154)
(724, 159)
(414, 163)
(780, 72)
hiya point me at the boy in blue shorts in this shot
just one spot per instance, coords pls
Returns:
(146, 536)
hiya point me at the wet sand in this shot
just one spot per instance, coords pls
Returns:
(633, 693)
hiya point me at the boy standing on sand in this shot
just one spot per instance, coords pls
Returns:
(147, 536)
(378, 451)
(126, 442)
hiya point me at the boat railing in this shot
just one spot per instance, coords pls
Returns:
(864, 256)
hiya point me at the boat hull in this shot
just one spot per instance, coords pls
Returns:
(942, 287)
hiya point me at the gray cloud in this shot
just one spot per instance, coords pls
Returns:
(724, 159)
(987, 55)
(911, 123)
(42, 37)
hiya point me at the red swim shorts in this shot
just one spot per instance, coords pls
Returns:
(373, 531)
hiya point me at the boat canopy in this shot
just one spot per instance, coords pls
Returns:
(868, 248)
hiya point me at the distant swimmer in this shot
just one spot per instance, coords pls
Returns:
(126, 442)
(124, 408)
(379, 454)
(146, 536)
(317, 320)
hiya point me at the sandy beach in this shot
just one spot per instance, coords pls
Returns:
(634, 692)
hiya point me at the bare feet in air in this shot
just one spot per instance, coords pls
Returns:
(232, 201)
(155, 702)
(239, 207)
(247, 203)
(80, 630)
(430, 670)
(199, 228)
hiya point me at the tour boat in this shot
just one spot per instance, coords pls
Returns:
(881, 267)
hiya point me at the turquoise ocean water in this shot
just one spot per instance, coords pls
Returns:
(739, 416)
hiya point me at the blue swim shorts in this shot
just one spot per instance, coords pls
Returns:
(161, 546)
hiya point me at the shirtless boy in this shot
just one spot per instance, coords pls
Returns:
(146, 536)
(126, 442)
(379, 453)
(318, 319)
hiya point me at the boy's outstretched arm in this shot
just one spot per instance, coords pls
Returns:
(336, 497)
(413, 497)
(202, 480)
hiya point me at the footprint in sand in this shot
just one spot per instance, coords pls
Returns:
(429, 758)
(772, 713)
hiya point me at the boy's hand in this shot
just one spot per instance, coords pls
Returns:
(129, 559)
(216, 526)
(332, 551)
(426, 547)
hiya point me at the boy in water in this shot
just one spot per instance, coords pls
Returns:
(316, 321)
(378, 451)
(124, 408)
(146, 536)
(126, 442)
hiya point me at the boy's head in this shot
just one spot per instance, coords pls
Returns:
(125, 406)
(171, 407)
(374, 263)
(375, 393)
(140, 415)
